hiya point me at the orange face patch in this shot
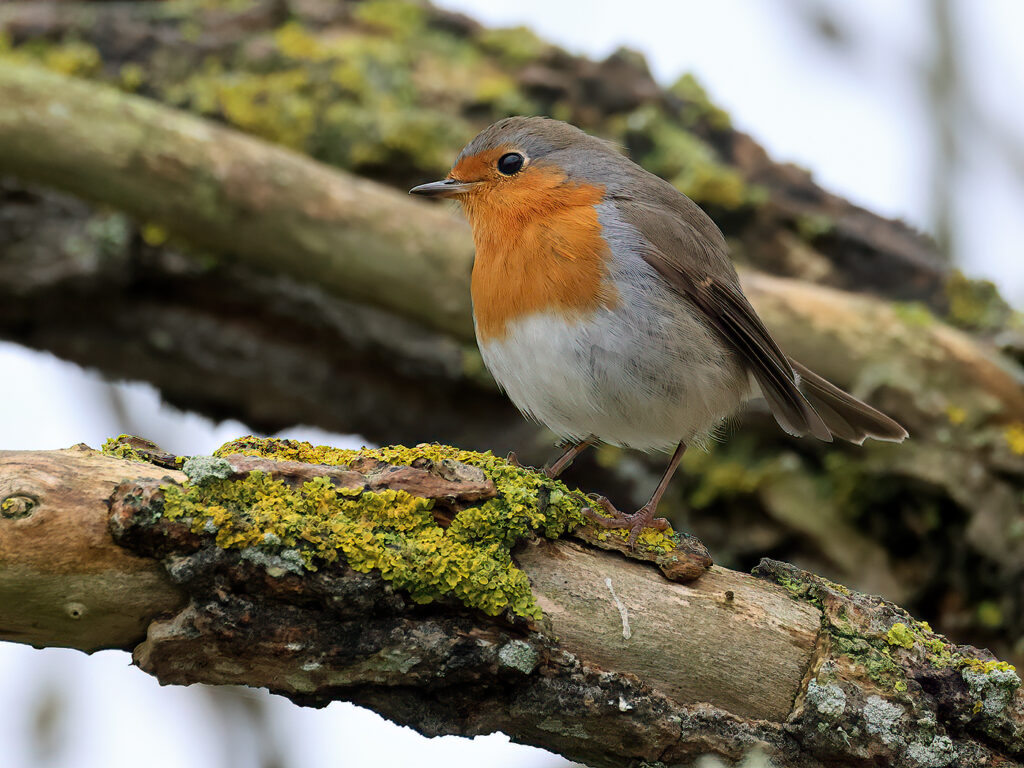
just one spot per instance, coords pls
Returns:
(538, 244)
(479, 167)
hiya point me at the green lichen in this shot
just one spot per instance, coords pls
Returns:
(872, 655)
(398, 18)
(975, 304)
(119, 448)
(131, 77)
(726, 471)
(900, 635)
(811, 226)
(913, 313)
(877, 653)
(388, 531)
(513, 46)
(393, 96)
(368, 102)
(987, 667)
(683, 158)
(697, 105)
(70, 56)
(806, 591)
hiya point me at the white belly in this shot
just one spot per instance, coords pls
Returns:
(630, 376)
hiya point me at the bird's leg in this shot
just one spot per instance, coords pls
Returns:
(568, 457)
(643, 517)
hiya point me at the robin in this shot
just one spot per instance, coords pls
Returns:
(607, 308)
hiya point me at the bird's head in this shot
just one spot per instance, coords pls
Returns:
(521, 165)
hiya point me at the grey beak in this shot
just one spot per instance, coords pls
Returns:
(446, 188)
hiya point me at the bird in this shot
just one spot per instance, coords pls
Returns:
(607, 308)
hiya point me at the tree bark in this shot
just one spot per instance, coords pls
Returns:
(624, 664)
(278, 211)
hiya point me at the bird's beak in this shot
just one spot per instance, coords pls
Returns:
(446, 188)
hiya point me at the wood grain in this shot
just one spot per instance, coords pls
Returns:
(63, 580)
(692, 642)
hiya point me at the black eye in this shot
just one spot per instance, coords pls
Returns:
(510, 164)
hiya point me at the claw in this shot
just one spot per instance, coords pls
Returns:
(636, 522)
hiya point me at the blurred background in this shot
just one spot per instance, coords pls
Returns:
(911, 111)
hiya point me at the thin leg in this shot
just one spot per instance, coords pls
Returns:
(643, 517)
(568, 457)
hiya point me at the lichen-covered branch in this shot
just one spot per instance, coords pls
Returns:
(438, 587)
(272, 208)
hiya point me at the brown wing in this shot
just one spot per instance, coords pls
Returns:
(693, 260)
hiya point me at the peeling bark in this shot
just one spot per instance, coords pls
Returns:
(625, 665)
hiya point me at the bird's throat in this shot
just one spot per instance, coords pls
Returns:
(550, 258)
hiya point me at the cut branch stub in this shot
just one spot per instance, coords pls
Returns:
(63, 582)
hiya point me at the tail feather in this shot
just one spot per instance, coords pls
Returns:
(845, 416)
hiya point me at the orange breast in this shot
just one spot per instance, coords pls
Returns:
(538, 248)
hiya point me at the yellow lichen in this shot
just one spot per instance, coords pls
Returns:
(120, 449)
(399, 18)
(1014, 435)
(389, 531)
(73, 58)
(900, 635)
(131, 77)
(956, 415)
(294, 41)
(975, 304)
(153, 234)
(985, 667)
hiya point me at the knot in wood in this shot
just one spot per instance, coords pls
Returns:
(17, 505)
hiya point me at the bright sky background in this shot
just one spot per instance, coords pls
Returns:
(857, 120)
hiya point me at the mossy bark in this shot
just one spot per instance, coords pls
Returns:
(621, 665)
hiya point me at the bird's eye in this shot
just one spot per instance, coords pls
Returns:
(510, 164)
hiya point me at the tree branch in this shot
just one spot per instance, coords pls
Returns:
(205, 329)
(623, 664)
(277, 211)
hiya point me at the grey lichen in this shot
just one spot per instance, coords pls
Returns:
(881, 718)
(993, 689)
(519, 655)
(938, 753)
(276, 566)
(829, 700)
(202, 469)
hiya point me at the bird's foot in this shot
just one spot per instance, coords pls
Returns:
(636, 522)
